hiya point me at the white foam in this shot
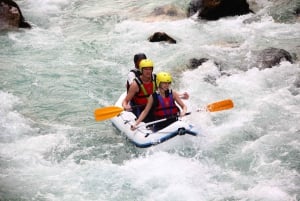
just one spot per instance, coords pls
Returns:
(12, 123)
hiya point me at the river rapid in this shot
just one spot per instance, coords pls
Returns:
(76, 59)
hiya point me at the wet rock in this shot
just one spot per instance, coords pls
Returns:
(273, 56)
(11, 16)
(297, 11)
(215, 9)
(161, 36)
(195, 63)
(210, 77)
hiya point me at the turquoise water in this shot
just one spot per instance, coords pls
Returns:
(76, 58)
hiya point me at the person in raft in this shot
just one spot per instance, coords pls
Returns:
(135, 72)
(142, 87)
(161, 104)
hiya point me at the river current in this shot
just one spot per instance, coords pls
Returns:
(76, 58)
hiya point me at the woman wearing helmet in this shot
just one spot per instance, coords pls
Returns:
(161, 104)
(142, 87)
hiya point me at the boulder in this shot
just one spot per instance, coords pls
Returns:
(11, 16)
(210, 76)
(161, 36)
(272, 56)
(215, 9)
(195, 63)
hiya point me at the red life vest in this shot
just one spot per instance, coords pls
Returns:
(145, 90)
(165, 106)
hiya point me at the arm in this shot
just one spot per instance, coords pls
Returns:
(144, 112)
(130, 77)
(180, 103)
(133, 89)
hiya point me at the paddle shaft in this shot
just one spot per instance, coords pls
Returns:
(113, 111)
(164, 119)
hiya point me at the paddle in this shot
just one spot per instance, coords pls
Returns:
(112, 111)
(220, 105)
(107, 112)
(164, 119)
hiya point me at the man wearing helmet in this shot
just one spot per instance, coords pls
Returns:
(162, 103)
(133, 73)
(142, 87)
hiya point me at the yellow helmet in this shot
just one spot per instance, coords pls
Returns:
(163, 77)
(145, 63)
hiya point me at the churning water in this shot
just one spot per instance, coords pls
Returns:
(76, 58)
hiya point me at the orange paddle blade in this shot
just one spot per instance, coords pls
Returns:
(107, 112)
(220, 105)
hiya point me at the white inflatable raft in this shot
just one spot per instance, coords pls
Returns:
(144, 137)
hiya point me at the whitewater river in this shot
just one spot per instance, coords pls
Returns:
(76, 58)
